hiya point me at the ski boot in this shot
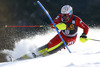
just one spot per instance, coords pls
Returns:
(42, 51)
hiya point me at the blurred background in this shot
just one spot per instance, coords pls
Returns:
(28, 12)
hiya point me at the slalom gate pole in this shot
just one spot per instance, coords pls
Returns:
(53, 24)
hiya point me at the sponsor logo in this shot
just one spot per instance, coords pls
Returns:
(71, 27)
(57, 17)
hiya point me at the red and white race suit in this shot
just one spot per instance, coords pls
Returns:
(69, 34)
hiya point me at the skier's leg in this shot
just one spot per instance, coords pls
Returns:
(44, 51)
(41, 51)
(53, 46)
(56, 48)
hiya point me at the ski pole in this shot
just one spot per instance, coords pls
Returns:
(92, 39)
(53, 24)
(26, 26)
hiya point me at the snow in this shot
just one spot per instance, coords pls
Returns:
(83, 54)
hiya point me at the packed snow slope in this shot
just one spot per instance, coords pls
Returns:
(83, 54)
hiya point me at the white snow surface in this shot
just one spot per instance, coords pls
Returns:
(83, 54)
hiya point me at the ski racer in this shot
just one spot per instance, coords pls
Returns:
(68, 23)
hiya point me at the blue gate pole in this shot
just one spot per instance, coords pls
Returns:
(53, 24)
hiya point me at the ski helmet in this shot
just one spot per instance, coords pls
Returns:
(66, 12)
(67, 9)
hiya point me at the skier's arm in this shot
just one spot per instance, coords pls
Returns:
(85, 28)
(82, 25)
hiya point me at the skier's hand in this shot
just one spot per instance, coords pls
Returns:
(83, 38)
(61, 26)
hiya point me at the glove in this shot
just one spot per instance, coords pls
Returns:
(61, 26)
(83, 38)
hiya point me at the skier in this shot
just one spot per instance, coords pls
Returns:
(68, 23)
